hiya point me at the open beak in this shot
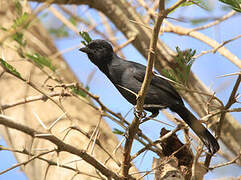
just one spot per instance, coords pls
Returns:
(85, 50)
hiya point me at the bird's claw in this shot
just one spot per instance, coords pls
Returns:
(139, 114)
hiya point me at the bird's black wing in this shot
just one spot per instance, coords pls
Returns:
(158, 82)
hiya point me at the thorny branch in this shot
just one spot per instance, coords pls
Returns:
(39, 90)
(133, 128)
(61, 146)
(34, 98)
(26, 162)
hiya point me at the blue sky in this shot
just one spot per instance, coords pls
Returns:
(207, 68)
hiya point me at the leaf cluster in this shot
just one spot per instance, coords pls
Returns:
(234, 4)
(86, 37)
(184, 61)
(41, 61)
(9, 68)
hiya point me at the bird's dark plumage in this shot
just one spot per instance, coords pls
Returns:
(128, 76)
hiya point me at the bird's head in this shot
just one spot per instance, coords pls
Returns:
(99, 51)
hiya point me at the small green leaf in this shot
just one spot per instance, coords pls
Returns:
(84, 43)
(87, 88)
(18, 7)
(73, 21)
(86, 37)
(3, 28)
(234, 4)
(79, 92)
(60, 32)
(117, 131)
(184, 61)
(199, 21)
(21, 21)
(41, 61)
(44, 15)
(18, 37)
(170, 74)
(9, 68)
(201, 3)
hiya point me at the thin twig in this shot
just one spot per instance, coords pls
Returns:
(231, 101)
(227, 163)
(39, 90)
(82, 20)
(124, 44)
(33, 98)
(63, 19)
(225, 17)
(158, 141)
(197, 35)
(230, 74)
(214, 50)
(195, 162)
(50, 162)
(26, 162)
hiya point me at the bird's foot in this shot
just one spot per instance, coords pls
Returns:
(145, 119)
(153, 115)
(139, 114)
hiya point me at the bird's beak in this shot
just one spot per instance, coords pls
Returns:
(85, 50)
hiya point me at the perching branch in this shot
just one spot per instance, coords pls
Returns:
(133, 128)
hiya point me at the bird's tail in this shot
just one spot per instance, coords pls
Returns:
(206, 137)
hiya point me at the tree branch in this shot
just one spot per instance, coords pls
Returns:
(8, 122)
(133, 128)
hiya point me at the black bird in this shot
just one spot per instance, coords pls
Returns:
(128, 76)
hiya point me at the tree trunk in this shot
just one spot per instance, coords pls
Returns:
(83, 115)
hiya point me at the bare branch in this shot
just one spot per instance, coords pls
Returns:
(8, 122)
(231, 101)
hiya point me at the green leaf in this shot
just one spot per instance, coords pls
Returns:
(184, 61)
(117, 131)
(201, 3)
(86, 37)
(59, 32)
(170, 74)
(18, 37)
(44, 15)
(41, 61)
(3, 28)
(84, 43)
(79, 92)
(73, 20)
(234, 4)
(199, 21)
(9, 68)
(21, 21)
(18, 7)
